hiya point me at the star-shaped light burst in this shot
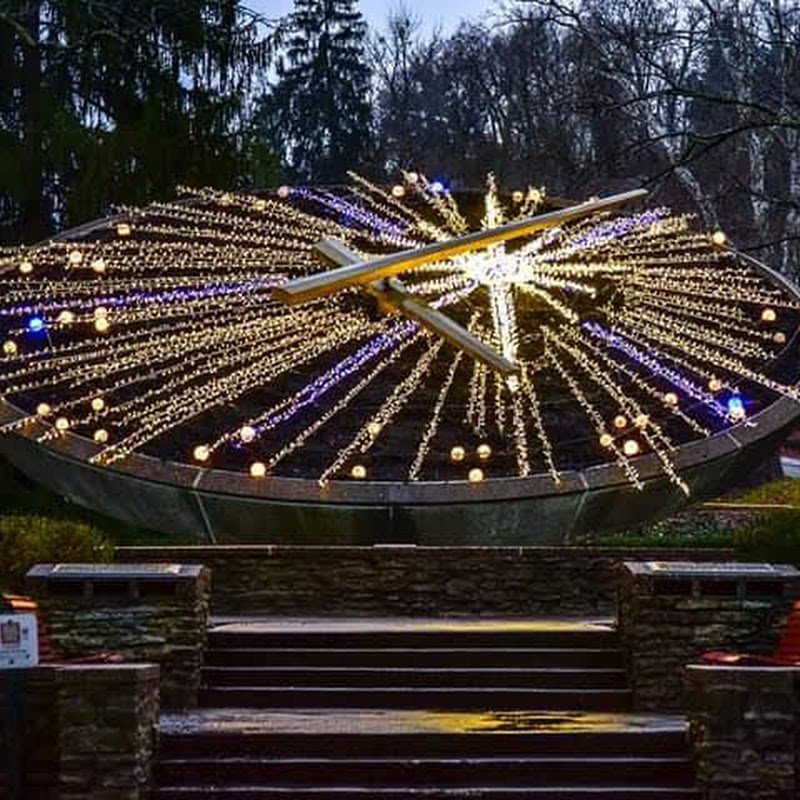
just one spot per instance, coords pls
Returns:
(162, 330)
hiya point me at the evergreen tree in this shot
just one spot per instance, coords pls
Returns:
(117, 102)
(317, 114)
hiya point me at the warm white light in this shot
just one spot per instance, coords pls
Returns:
(98, 404)
(75, 258)
(719, 238)
(631, 447)
(99, 265)
(258, 469)
(620, 421)
(671, 399)
(641, 420)
(101, 436)
(606, 440)
(25, 267)
(10, 348)
(475, 475)
(768, 315)
(284, 192)
(359, 472)
(457, 453)
(398, 191)
(247, 433)
(66, 317)
(201, 453)
(101, 324)
(715, 385)
(124, 229)
(779, 338)
(62, 424)
(374, 428)
(43, 409)
(484, 452)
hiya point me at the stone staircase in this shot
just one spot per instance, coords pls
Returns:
(418, 708)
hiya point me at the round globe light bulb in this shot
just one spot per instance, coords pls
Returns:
(283, 192)
(101, 436)
(43, 409)
(26, 267)
(10, 348)
(671, 399)
(518, 196)
(641, 420)
(606, 440)
(247, 433)
(484, 452)
(719, 238)
(62, 424)
(779, 338)
(101, 325)
(98, 404)
(631, 447)
(768, 315)
(374, 428)
(457, 453)
(99, 265)
(715, 384)
(475, 475)
(201, 452)
(124, 229)
(66, 317)
(258, 469)
(398, 190)
(75, 258)
(620, 421)
(359, 472)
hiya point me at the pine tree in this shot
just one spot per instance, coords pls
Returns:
(317, 114)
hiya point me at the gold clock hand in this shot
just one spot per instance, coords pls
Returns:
(391, 293)
(311, 287)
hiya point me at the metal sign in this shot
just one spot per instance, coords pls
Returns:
(19, 641)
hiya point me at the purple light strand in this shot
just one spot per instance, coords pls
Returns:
(332, 377)
(690, 388)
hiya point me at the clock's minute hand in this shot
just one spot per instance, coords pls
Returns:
(391, 293)
(302, 290)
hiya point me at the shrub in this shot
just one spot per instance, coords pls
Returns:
(773, 537)
(27, 540)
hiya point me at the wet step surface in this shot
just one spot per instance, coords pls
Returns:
(494, 709)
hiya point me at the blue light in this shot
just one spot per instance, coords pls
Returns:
(438, 187)
(35, 324)
(735, 406)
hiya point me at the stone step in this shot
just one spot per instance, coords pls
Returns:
(422, 657)
(414, 697)
(536, 677)
(442, 635)
(509, 792)
(517, 737)
(454, 772)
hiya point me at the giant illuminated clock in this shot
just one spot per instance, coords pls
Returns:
(370, 351)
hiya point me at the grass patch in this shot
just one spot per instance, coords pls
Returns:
(785, 491)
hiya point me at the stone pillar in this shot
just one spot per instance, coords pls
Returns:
(669, 613)
(745, 726)
(144, 612)
(86, 731)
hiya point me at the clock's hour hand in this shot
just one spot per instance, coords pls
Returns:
(322, 284)
(391, 293)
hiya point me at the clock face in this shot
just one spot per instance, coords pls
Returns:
(157, 332)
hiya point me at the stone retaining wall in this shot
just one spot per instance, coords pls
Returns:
(745, 730)
(503, 581)
(80, 731)
(158, 621)
(665, 624)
